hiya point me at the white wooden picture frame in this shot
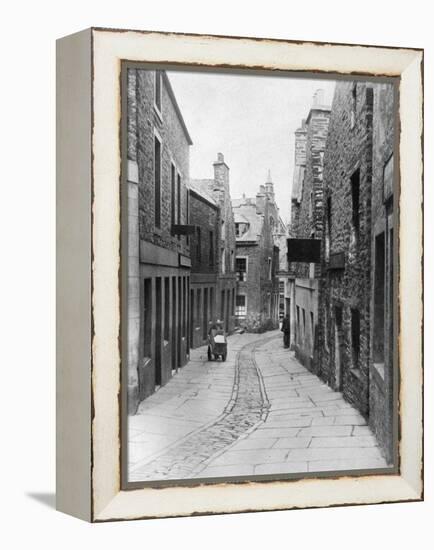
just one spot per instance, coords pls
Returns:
(88, 262)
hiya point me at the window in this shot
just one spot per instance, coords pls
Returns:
(355, 199)
(379, 299)
(240, 305)
(187, 211)
(223, 261)
(158, 90)
(240, 229)
(173, 195)
(178, 204)
(241, 268)
(353, 106)
(269, 268)
(198, 244)
(311, 205)
(211, 248)
(232, 261)
(223, 231)
(355, 337)
(157, 182)
(304, 323)
(282, 287)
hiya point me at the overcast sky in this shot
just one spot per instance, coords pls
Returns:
(251, 120)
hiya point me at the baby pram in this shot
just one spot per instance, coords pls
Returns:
(217, 346)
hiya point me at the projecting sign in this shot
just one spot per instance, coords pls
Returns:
(304, 250)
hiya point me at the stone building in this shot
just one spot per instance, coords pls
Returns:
(307, 208)
(158, 255)
(204, 245)
(345, 294)
(257, 260)
(381, 379)
(356, 308)
(218, 188)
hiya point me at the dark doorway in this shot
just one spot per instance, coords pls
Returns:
(158, 331)
(179, 327)
(205, 314)
(338, 347)
(147, 319)
(191, 316)
(174, 350)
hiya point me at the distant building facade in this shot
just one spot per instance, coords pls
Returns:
(159, 260)
(257, 260)
(204, 247)
(219, 189)
(307, 209)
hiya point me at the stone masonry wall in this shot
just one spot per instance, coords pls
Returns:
(348, 147)
(310, 221)
(175, 148)
(381, 381)
(205, 216)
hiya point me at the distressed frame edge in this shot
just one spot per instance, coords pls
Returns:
(73, 274)
(411, 489)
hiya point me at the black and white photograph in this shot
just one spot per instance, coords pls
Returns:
(258, 256)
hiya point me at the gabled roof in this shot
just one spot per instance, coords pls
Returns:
(246, 213)
(201, 187)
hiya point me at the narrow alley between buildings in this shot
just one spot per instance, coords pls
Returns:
(260, 412)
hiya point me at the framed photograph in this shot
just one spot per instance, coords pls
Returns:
(239, 304)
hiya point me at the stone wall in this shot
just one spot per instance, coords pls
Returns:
(158, 262)
(381, 391)
(346, 290)
(206, 217)
(204, 267)
(175, 149)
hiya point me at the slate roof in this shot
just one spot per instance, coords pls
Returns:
(246, 213)
(202, 188)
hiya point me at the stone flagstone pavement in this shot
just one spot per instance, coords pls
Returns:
(260, 412)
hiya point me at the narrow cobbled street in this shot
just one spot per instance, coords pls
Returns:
(260, 412)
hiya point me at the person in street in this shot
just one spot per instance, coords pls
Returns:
(216, 335)
(286, 329)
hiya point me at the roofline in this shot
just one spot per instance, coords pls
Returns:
(203, 199)
(177, 109)
(318, 108)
